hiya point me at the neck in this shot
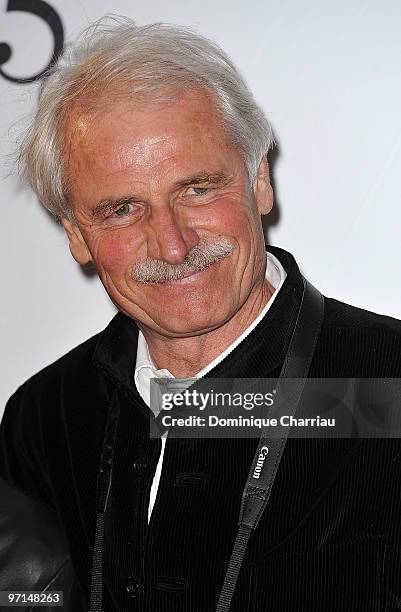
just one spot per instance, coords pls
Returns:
(185, 357)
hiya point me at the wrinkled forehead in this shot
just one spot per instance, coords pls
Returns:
(119, 130)
(186, 109)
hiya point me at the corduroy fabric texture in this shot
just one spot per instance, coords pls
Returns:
(330, 536)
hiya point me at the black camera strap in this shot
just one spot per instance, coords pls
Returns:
(270, 449)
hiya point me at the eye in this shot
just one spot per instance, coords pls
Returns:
(123, 210)
(199, 190)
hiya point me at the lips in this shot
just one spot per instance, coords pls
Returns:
(186, 275)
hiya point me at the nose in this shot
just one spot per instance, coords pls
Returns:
(169, 238)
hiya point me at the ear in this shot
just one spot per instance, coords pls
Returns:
(262, 189)
(78, 248)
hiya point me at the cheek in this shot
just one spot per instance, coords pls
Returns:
(234, 217)
(115, 252)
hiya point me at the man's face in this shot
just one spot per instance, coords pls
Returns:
(153, 183)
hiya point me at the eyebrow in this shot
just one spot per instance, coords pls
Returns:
(109, 204)
(213, 178)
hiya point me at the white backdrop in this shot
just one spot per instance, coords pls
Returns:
(328, 75)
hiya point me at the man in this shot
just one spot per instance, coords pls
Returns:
(150, 149)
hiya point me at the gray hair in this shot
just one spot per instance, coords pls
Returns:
(116, 55)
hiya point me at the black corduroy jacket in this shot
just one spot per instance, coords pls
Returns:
(330, 536)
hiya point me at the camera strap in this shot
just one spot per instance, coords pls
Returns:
(270, 449)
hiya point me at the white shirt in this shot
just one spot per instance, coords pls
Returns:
(145, 369)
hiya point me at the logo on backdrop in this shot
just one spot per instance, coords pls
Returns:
(51, 17)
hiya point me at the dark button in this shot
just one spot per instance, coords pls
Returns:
(133, 586)
(140, 465)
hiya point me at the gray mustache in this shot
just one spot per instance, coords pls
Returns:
(198, 258)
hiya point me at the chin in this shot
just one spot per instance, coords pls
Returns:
(194, 314)
(187, 326)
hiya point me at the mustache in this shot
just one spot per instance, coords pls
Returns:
(201, 256)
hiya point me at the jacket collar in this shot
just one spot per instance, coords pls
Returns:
(115, 351)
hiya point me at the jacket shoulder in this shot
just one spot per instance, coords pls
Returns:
(355, 342)
(64, 402)
(78, 359)
(339, 314)
(69, 390)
